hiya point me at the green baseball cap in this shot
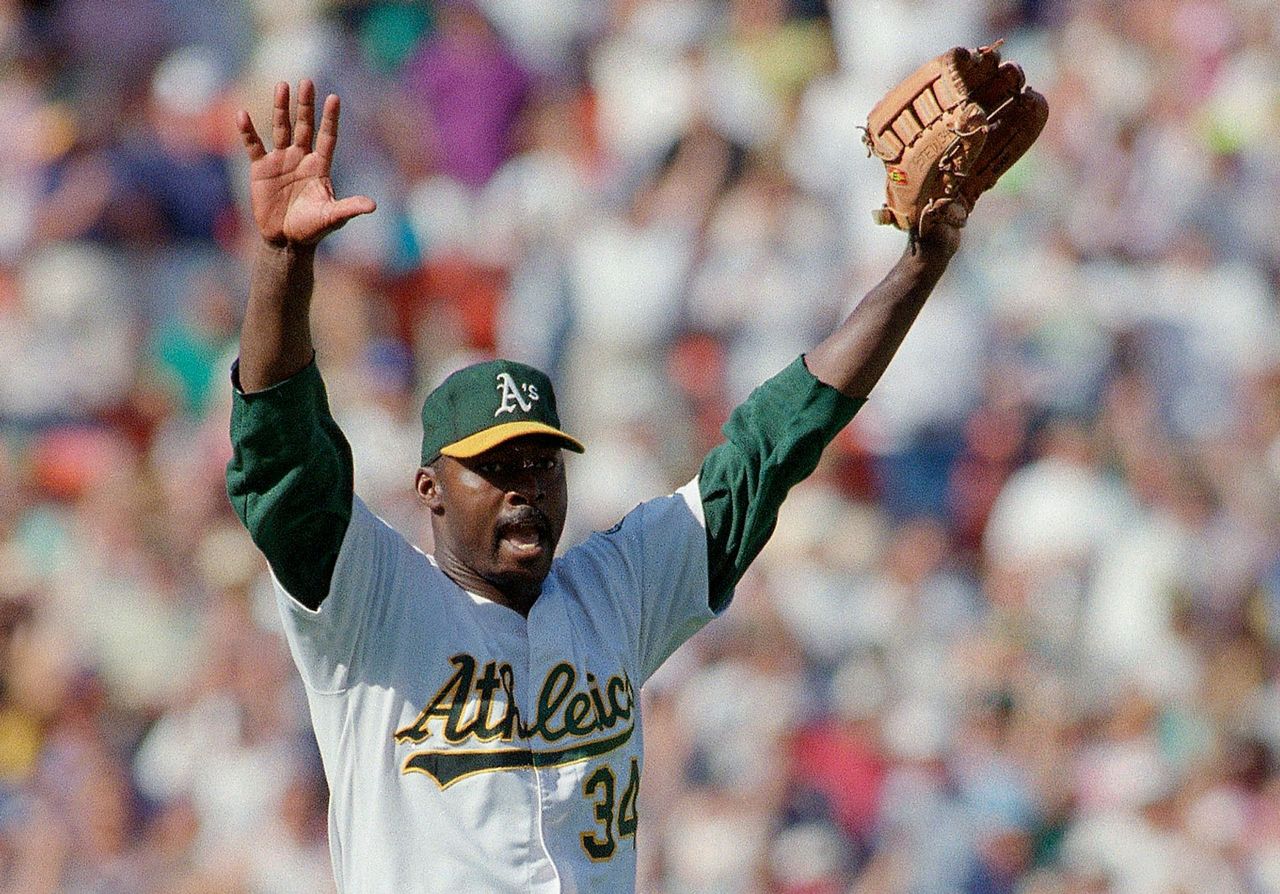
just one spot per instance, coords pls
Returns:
(482, 405)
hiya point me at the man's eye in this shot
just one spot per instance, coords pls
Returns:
(502, 467)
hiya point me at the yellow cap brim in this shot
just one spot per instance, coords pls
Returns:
(474, 445)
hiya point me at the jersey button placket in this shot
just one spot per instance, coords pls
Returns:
(544, 878)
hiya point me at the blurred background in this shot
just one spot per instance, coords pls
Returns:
(1018, 635)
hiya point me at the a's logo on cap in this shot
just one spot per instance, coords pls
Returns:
(514, 396)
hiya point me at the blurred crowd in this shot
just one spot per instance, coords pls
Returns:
(1020, 634)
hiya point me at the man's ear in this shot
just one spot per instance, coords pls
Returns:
(430, 488)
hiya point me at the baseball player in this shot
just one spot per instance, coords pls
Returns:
(477, 710)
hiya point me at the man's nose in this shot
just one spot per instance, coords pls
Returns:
(527, 485)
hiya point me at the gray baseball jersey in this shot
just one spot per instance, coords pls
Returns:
(466, 747)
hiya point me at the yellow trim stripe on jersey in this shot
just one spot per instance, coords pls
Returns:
(448, 767)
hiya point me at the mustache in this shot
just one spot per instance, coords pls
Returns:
(522, 517)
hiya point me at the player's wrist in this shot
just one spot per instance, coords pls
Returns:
(928, 255)
(286, 253)
(937, 249)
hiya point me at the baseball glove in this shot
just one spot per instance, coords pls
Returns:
(949, 131)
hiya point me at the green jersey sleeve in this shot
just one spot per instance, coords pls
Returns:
(291, 480)
(772, 442)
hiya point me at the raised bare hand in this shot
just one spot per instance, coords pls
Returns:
(289, 187)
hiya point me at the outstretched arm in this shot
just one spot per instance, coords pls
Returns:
(290, 474)
(853, 358)
(774, 440)
(294, 207)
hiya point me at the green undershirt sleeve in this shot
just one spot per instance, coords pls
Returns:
(772, 442)
(290, 480)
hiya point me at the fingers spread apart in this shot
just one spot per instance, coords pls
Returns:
(286, 131)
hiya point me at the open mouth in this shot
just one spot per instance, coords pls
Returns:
(527, 535)
(523, 538)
